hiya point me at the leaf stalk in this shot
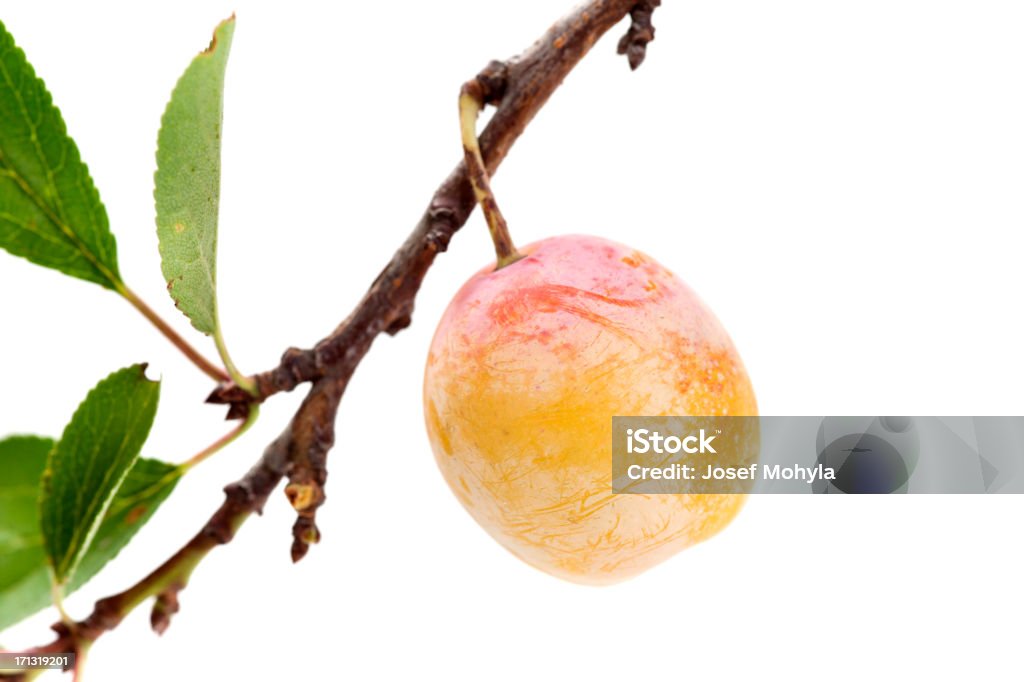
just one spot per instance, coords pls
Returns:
(224, 441)
(204, 365)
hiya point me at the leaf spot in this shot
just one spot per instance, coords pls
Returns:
(134, 515)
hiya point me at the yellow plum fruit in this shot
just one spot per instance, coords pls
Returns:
(526, 370)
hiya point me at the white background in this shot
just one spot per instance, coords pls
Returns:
(841, 182)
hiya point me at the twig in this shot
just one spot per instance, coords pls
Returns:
(519, 88)
(641, 32)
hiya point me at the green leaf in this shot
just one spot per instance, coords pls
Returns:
(188, 182)
(88, 465)
(145, 488)
(24, 571)
(50, 211)
(24, 579)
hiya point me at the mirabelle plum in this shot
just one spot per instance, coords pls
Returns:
(528, 366)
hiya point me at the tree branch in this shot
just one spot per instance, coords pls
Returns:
(519, 88)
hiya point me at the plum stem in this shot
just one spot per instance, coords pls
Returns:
(471, 103)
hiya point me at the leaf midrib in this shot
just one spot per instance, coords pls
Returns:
(97, 506)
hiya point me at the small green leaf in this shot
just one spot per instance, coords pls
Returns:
(50, 211)
(24, 571)
(188, 182)
(88, 465)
